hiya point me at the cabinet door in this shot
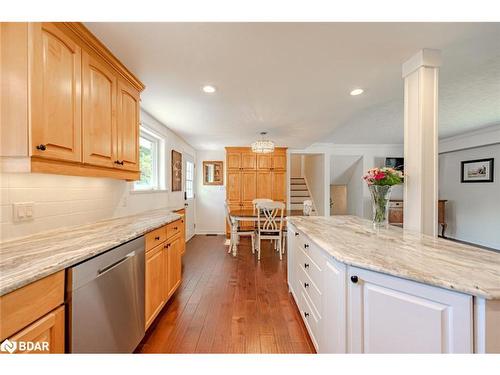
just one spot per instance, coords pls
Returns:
(233, 160)
(248, 160)
(174, 265)
(264, 161)
(155, 282)
(279, 186)
(264, 185)
(99, 110)
(393, 315)
(128, 126)
(55, 94)
(334, 338)
(279, 162)
(233, 193)
(47, 333)
(248, 187)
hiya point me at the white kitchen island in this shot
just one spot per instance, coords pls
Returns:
(391, 291)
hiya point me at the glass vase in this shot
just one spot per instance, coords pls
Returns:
(380, 204)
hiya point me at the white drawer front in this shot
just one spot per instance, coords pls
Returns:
(309, 287)
(310, 267)
(310, 319)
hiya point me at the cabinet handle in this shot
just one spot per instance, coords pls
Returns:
(41, 147)
(296, 234)
(175, 228)
(306, 246)
(121, 162)
(306, 265)
(306, 314)
(157, 238)
(354, 279)
(306, 285)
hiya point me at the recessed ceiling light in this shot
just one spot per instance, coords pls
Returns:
(208, 89)
(356, 92)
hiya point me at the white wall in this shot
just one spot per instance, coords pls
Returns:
(314, 172)
(355, 190)
(210, 215)
(473, 209)
(61, 201)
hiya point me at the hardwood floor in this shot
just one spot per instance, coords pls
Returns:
(229, 304)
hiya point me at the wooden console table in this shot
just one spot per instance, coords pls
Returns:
(396, 213)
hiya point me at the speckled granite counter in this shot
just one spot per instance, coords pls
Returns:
(28, 259)
(405, 254)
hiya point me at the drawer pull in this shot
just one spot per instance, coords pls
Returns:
(157, 238)
(306, 314)
(296, 234)
(354, 279)
(306, 265)
(41, 147)
(306, 246)
(175, 228)
(306, 285)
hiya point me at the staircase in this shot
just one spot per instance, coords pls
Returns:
(299, 193)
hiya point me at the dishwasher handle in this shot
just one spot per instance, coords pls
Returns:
(115, 264)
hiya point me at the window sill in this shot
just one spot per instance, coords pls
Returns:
(149, 191)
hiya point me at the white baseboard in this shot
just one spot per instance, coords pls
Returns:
(203, 232)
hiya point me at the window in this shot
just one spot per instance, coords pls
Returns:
(189, 180)
(149, 161)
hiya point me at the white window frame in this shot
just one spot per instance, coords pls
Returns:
(192, 181)
(158, 177)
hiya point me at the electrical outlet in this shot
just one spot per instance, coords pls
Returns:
(23, 211)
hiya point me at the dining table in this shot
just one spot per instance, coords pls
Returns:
(250, 215)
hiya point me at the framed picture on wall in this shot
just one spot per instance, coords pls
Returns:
(213, 173)
(176, 171)
(480, 170)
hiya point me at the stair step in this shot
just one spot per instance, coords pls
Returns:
(298, 199)
(298, 187)
(299, 193)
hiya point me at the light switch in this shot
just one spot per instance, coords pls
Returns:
(23, 211)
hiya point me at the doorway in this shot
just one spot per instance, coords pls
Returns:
(189, 195)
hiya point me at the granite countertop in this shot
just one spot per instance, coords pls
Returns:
(407, 254)
(28, 259)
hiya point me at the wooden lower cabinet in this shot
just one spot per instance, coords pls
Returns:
(173, 264)
(163, 273)
(45, 336)
(32, 317)
(155, 276)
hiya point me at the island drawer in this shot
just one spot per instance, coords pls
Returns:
(155, 237)
(174, 228)
(309, 248)
(311, 320)
(310, 289)
(310, 267)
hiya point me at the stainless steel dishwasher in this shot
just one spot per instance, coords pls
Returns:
(106, 301)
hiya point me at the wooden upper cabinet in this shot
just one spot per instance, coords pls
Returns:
(56, 94)
(248, 187)
(233, 160)
(279, 162)
(234, 186)
(279, 186)
(128, 126)
(264, 161)
(99, 113)
(248, 160)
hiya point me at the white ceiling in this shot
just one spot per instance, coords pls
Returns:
(293, 79)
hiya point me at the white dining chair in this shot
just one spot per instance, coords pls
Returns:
(269, 224)
(234, 239)
(256, 201)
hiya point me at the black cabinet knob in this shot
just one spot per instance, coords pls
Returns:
(306, 285)
(306, 314)
(296, 234)
(306, 246)
(306, 265)
(41, 147)
(354, 279)
(157, 238)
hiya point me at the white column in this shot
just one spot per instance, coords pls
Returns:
(420, 74)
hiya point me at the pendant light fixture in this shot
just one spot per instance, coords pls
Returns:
(263, 146)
